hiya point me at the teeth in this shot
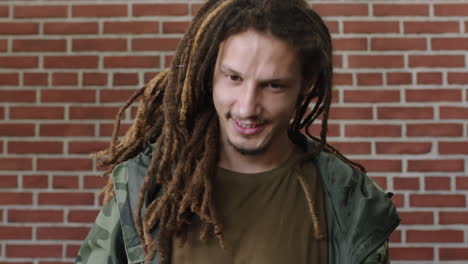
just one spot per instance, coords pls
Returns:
(248, 125)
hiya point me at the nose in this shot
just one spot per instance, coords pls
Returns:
(249, 102)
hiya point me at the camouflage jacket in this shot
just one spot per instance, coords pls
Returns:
(360, 216)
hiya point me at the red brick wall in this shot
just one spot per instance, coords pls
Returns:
(66, 66)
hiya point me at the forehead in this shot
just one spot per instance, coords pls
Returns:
(259, 54)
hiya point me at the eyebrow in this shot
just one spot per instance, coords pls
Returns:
(227, 69)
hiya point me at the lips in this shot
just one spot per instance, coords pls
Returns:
(248, 128)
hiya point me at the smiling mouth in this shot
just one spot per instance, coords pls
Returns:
(248, 129)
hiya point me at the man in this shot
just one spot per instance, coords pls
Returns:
(213, 170)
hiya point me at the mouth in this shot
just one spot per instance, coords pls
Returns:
(248, 128)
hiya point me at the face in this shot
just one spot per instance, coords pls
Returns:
(256, 85)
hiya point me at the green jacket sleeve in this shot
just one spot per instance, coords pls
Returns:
(104, 243)
(379, 256)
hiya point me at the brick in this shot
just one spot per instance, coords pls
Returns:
(398, 78)
(440, 165)
(35, 181)
(341, 9)
(35, 147)
(94, 79)
(82, 216)
(352, 148)
(453, 218)
(337, 61)
(40, 11)
(449, 112)
(381, 165)
(374, 27)
(72, 250)
(381, 181)
(429, 78)
(86, 147)
(412, 253)
(8, 181)
(4, 11)
(172, 27)
(72, 62)
(18, 96)
(400, 10)
(429, 61)
(59, 164)
(332, 25)
(395, 237)
(453, 147)
(453, 253)
(125, 79)
(64, 78)
(434, 130)
(461, 183)
(105, 130)
(15, 164)
(15, 233)
(369, 79)
(350, 113)
(451, 10)
(133, 27)
(431, 27)
(411, 183)
(437, 183)
(93, 112)
(3, 45)
(371, 96)
(17, 130)
(97, 10)
(95, 182)
(398, 200)
(131, 62)
(10, 79)
(19, 28)
(428, 236)
(15, 198)
(61, 233)
(115, 95)
(36, 79)
(34, 251)
(349, 44)
(34, 216)
(71, 199)
(449, 43)
(416, 218)
(375, 61)
(99, 44)
(362, 130)
(433, 95)
(2, 116)
(67, 28)
(158, 44)
(35, 45)
(68, 96)
(343, 79)
(457, 77)
(65, 182)
(160, 9)
(398, 44)
(66, 130)
(405, 113)
(19, 62)
(403, 147)
(437, 200)
(36, 112)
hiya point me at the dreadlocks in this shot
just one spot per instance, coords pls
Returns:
(176, 114)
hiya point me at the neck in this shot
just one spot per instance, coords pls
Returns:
(272, 158)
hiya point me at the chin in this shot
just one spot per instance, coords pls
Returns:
(253, 151)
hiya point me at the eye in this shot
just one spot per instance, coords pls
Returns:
(233, 77)
(276, 85)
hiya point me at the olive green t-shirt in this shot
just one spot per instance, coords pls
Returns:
(265, 218)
